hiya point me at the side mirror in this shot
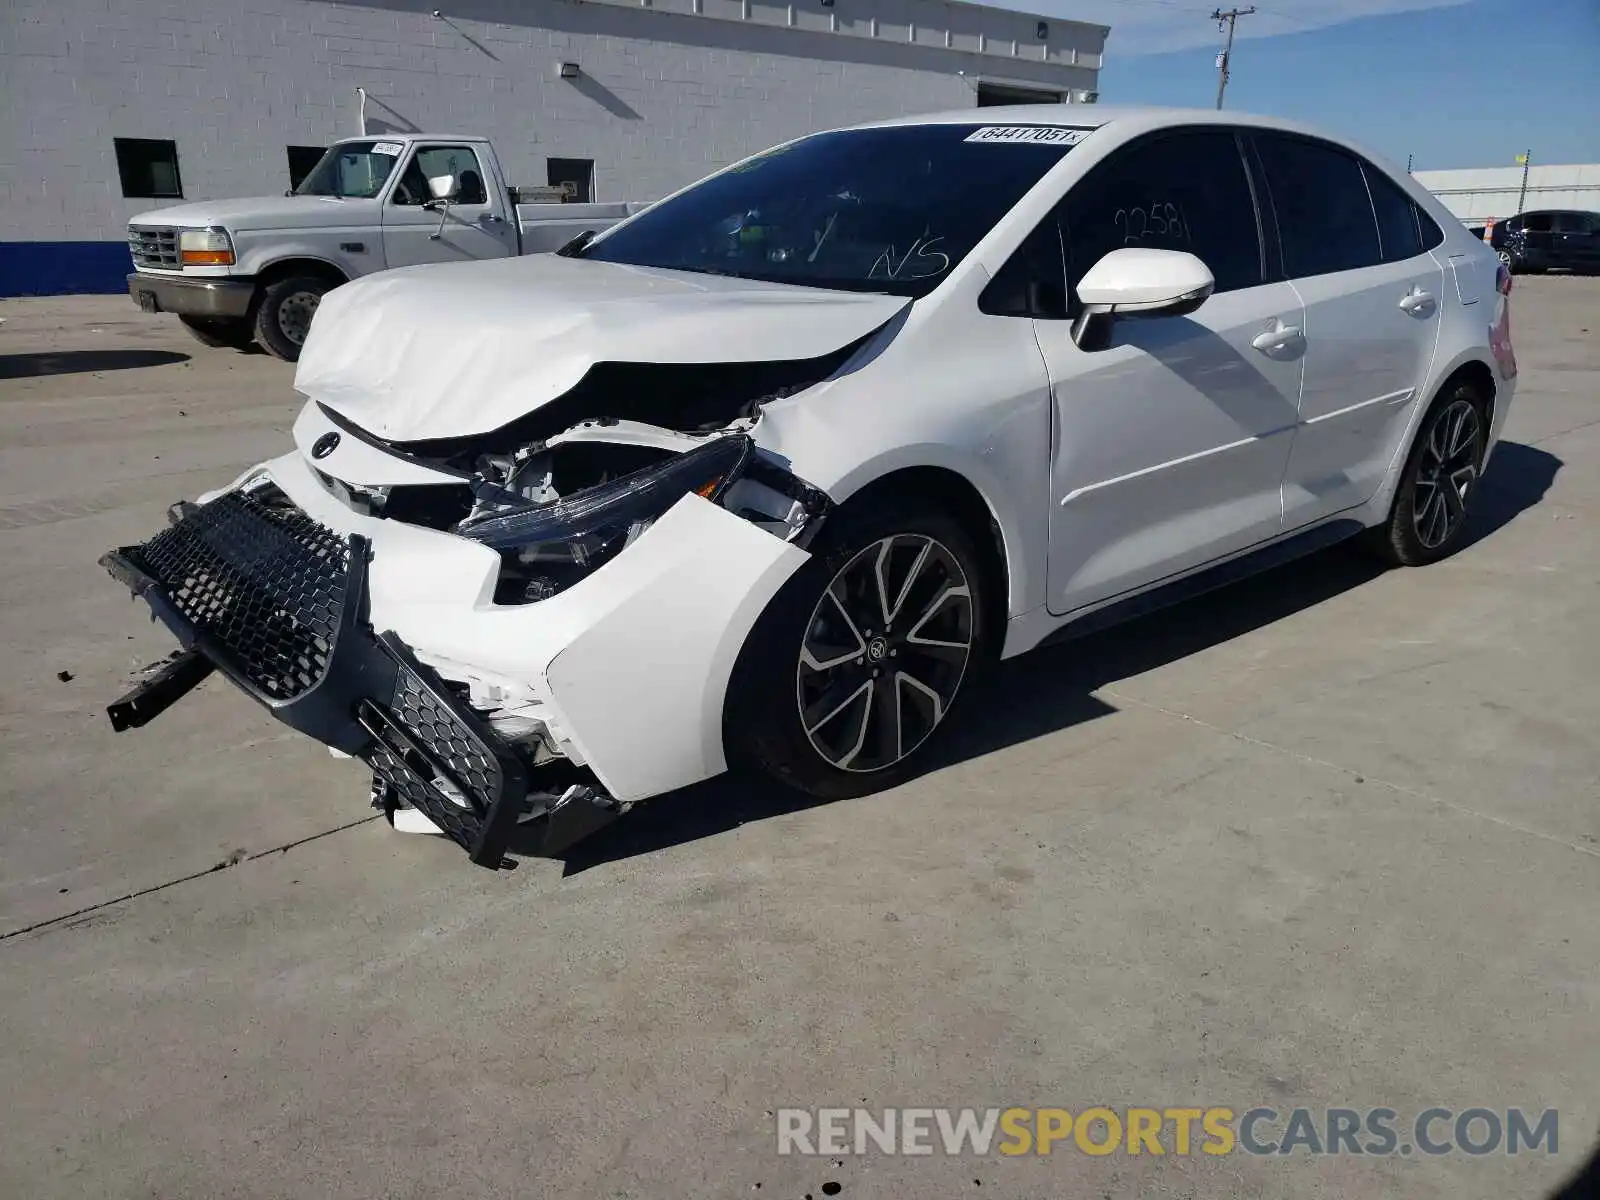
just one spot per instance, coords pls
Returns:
(443, 189)
(1138, 282)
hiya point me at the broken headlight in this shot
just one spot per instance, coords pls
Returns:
(548, 547)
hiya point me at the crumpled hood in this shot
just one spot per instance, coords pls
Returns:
(263, 212)
(456, 349)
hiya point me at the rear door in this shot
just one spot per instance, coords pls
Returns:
(1575, 238)
(477, 224)
(1353, 250)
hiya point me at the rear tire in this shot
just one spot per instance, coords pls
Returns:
(220, 333)
(860, 658)
(1428, 518)
(284, 312)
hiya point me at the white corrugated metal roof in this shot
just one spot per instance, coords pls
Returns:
(1480, 193)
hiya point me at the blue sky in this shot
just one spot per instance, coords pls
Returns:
(1453, 84)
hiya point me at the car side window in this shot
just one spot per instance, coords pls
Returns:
(1325, 218)
(1572, 222)
(1033, 282)
(1536, 223)
(1180, 191)
(1428, 229)
(432, 161)
(1398, 236)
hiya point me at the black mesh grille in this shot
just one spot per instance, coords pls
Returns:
(432, 759)
(449, 742)
(266, 584)
(462, 826)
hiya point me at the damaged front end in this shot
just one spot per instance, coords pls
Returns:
(279, 601)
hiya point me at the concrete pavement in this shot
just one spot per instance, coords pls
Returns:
(1327, 838)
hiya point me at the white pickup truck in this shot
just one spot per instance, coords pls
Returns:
(242, 271)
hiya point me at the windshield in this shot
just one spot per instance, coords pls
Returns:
(877, 210)
(353, 170)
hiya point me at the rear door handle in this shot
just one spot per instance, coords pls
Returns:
(1416, 301)
(1277, 338)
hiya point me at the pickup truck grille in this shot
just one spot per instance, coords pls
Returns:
(151, 247)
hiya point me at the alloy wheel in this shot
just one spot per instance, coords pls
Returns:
(884, 653)
(1447, 470)
(295, 313)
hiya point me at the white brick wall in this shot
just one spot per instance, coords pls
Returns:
(668, 91)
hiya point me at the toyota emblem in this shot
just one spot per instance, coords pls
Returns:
(325, 445)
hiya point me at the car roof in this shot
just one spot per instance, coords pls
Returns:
(1096, 116)
(411, 137)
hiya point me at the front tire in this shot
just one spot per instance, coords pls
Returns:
(284, 312)
(862, 655)
(1428, 518)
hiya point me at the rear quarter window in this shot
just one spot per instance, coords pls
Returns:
(1430, 233)
(1399, 237)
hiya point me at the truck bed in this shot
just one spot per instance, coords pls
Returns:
(547, 227)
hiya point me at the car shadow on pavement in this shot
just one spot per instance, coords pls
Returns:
(75, 362)
(1053, 687)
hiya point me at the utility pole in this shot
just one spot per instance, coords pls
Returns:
(1522, 197)
(1409, 157)
(1229, 18)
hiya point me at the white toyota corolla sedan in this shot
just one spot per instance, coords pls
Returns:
(763, 474)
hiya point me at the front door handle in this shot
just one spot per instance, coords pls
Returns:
(1277, 338)
(1416, 301)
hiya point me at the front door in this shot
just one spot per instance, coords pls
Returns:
(476, 225)
(1170, 446)
(1353, 249)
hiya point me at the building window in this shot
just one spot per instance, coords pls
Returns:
(148, 168)
(576, 175)
(301, 160)
(991, 95)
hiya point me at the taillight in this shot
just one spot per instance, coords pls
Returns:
(1502, 280)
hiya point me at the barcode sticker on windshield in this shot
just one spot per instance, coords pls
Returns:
(389, 148)
(1050, 135)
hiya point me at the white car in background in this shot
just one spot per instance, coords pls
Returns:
(761, 474)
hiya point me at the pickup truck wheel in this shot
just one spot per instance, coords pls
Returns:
(284, 312)
(219, 332)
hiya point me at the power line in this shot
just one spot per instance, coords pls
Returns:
(1230, 19)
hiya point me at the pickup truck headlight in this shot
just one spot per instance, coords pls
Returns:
(549, 547)
(205, 248)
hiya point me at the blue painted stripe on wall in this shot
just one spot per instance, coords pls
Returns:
(63, 268)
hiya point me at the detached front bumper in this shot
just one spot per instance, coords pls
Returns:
(278, 604)
(381, 639)
(192, 297)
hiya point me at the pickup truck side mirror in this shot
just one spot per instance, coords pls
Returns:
(444, 189)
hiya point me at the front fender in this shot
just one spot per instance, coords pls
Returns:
(995, 483)
(259, 252)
